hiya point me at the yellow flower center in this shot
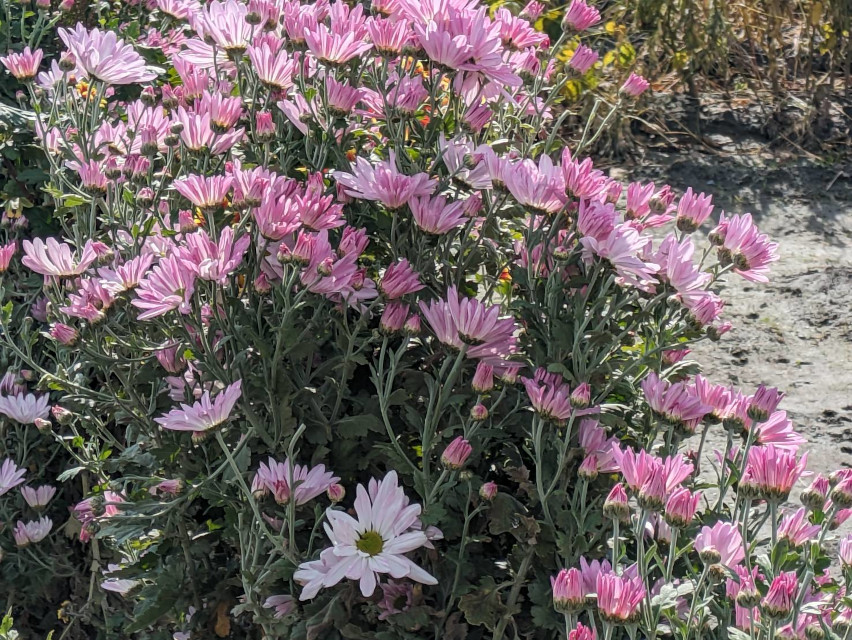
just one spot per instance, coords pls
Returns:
(370, 543)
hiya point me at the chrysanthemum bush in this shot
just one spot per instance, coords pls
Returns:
(338, 342)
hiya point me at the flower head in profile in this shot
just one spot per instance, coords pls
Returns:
(460, 321)
(399, 279)
(286, 481)
(383, 182)
(773, 471)
(720, 544)
(23, 65)
(50, 258)
(103, 56)
(10, 476)
(635, 85)
(619, 597)
(38, 498)
(580, 16)
(568, 593)
(168, 286)
(796, 529)
(205, 192)
(205, 415)
(25, 408)
(385, 527)
(282, 605)
(27, 533)
(436, 215)
(214, 261)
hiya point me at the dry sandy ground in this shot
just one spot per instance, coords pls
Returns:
(796, 332)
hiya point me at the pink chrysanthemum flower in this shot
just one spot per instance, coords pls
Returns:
(38, 498)
(274, 67)
(568, 593)
(25, 408)
(778, 601)
(720, 544)
(462, 320)
(371, 544)
(583, 59)
(6, 253)
(276, 477)
(619, 597)
(211, 260)
(774, 471)
(53, 259)
(517, 33)
(389, 37)
(399, 279)
(580, 16)
(168, 286)
(594, 441)
(621, 249)
(334, 48)
(205, 192)
(435, 215)
(205, 415)
(10, 476)
(692, 210)
(540, 187)
(382, 182)
(777, 430)
(635, 85)
(225, 24)
(550, 400)
(27, 533)
(102, 56)
(127, 276)
(282, 605)
(750, 251)
(677, 402)
(177, 9)
(681, 506)
(23, 65)
(796, 529)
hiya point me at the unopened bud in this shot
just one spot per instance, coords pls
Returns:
(488, 491)
(62, 415)
(336, 492)
(479, 412)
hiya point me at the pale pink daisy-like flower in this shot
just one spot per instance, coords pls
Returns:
(121, 586)
(580, 16)
(282, 605)
(594, 441)
(274, 67)
(6, 253)
(621, 249)
(25, 408)
(205, 415)
(517, 33)
(435, 215)
(676, 402)
(170, 487)
(393, 317)
(382, 182)
(582, 180)
(540, 187)
(103, 56)
(64, 334)
(389, 37)
(845, 551)
(214, 261)
(371, 544)
(205, 192)
(796, 529)
(619, 597)
(764, 402)
(582, 60)
(286, 481)
(10, 476)
(224, 24)
(178, 9)
(50, 258)
(692, 210)
(101, 505)
(127, 276)
(334, 48)
(721, 543)
(168, 286)
(399, 279)
(27, 533)
(462, 320)
(750, 251)
(23, 65)
(550, 400)
(776, 430)
(635, 85)
(38, 498)
(637, 468)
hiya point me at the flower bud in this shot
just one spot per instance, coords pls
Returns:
(588, 468)
(261, 284)
(186, 221)
(456, 454)
(488, 491)
(176, 128)
(64, 334)
(841, 495)
(393, 318)
(581, 396)
(67, 61)
(561, 253)
(264, 127)
(148, 96)
(412, 325)
(748, 596)
(764, 402)
(815, 495)
(710, 556)
(483, 379)
(653, 493)
(336, 492)
(479, 412)
(61, 415)
(43, 425)
(616, 506)
(814, 631)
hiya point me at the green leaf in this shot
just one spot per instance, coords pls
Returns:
(69, 473)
